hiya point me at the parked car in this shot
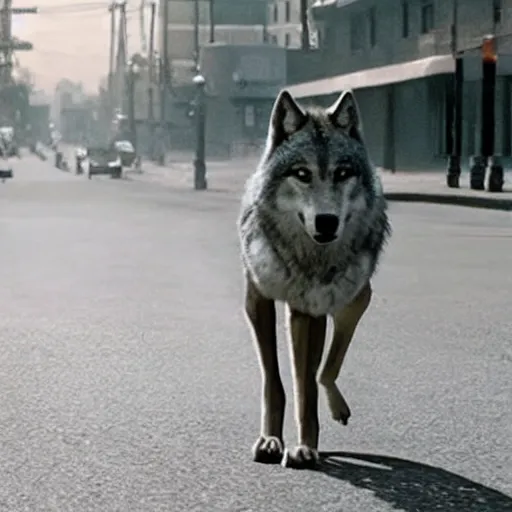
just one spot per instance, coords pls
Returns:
(104, 161)
(5, 170)
(126, 152)
(8, 145)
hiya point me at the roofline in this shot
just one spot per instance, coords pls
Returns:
(376, 77)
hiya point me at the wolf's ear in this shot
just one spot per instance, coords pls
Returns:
(286, 119)
(344, 113)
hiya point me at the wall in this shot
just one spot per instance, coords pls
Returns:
(242, 84)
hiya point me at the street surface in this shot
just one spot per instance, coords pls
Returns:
(129, 381)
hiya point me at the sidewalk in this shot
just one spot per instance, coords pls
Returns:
(427, 187)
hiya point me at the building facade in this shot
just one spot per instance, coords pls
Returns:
(397, 55)
(242, 82)
(240, 22)
(284, 24)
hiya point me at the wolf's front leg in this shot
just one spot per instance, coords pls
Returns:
(307, 342)
(345, 323)
(261, 313)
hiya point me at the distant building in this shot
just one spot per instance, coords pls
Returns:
(397, 54)
(284, 24)
(67, 93)
(236, 22)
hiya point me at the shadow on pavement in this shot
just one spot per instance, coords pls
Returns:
(411, 486)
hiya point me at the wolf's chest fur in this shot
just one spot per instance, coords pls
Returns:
(319, 281)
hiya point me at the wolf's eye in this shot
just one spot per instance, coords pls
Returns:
(302, 174)
(342, 173)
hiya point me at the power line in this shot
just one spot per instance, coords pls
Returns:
(83, 10)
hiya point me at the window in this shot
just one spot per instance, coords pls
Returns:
(250, 116)
(287, 40)
(427, 16)
(276, 13)
(357, 31)
(496, 7)
(287, 14)
(372, 22)
(405, 19)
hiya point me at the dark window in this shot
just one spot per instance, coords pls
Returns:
(427, 16)
(357, 31)
(287, 12)
(287, 40)
(496, 11)
(372, 24)
(276, 13)
(405, 18)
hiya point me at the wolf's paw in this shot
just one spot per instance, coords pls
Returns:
(268, 450)
(300, 457)
(339, 408)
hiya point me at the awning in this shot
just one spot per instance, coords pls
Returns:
(375, 77)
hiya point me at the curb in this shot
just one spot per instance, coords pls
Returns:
(488, 203)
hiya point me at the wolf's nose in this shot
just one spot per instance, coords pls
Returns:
(326, 223)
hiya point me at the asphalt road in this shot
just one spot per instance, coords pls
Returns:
(129, 382)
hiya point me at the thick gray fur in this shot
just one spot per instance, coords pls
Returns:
(277, 218)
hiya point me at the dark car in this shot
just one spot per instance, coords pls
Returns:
(104, 161)
(126, 152)
(5, 169)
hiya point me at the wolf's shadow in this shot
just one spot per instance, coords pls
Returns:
(413, 487)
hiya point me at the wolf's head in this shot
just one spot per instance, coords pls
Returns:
(315, 169)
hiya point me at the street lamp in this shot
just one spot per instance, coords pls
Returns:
(487, 125)
(133, 73)
(199, 162)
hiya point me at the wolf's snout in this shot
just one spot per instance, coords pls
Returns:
(327, 224)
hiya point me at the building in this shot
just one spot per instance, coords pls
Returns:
(242, 82)
(240, 22)
(67, 94)
(284, 24)
(397, 54)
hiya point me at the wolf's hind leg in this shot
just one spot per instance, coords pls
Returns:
(345, 323)
(261, 314)
(307, 342)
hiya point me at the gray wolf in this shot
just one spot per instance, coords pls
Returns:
(312, 226)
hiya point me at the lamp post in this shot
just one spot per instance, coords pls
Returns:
(133, 72)
(454, 169)
(199, 162)
(487, 133)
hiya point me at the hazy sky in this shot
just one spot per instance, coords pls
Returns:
(71, 39)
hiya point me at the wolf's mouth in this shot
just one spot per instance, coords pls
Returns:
(323, 239)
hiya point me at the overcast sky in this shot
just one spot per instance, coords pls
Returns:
(71, 39)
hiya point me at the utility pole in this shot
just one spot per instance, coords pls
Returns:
(151, 80)
(196, 35)
(487, 124)
(7, 47)
(454, 169)
(212, 21)
(112, 9)
(7, 41)
(305, 40)
(164, 80)
(496, 173)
